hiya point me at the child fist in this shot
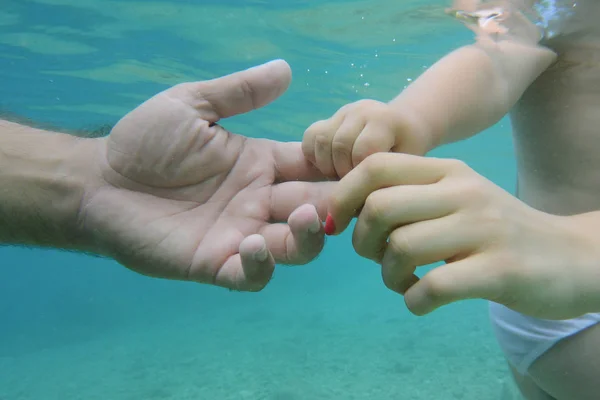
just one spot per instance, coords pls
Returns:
(359, 129)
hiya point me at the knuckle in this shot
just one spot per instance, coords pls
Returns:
(390, 280)
(196, 88)
(455, 166)
(309, 133)
(315, 128)
(459, 164)
(248, 92)
(367, 248)
(471, 191)
(363, 107)
(374, 209)
(196, 94)
(488, 222)
(335, 204)
(323, 139)
(367, 103)
(187, 87)
(373, 164)
(341, 148)
(343, 110)
(359, 155)
(435, 286)
(368, 146)
(308, 151)
(400, 246)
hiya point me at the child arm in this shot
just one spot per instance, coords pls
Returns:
(462, 94)
(473, 87)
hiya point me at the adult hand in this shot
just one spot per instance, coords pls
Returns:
(180, 197)
(416, 211)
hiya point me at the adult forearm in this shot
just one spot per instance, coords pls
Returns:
(43, 177)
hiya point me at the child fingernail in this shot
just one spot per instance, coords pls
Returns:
(329, 225)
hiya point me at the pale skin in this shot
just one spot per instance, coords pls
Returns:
(169, 192)
(539, 253)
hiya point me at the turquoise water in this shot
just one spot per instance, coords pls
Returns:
(77, 327)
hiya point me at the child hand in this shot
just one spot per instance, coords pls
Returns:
(357, 130)
(416, 211)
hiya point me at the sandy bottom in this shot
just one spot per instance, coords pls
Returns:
(254, 350)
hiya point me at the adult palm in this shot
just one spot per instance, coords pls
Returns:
(180, 197)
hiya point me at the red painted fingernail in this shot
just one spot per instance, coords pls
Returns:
(329, 225)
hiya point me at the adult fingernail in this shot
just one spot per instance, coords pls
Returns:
(315, 226)
(329, 225)
(262, 254)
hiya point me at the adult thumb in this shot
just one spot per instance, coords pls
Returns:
(239, 92)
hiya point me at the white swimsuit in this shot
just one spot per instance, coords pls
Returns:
(524, 339)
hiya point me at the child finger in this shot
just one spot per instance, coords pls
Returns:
(343, 143)
(374, 138)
